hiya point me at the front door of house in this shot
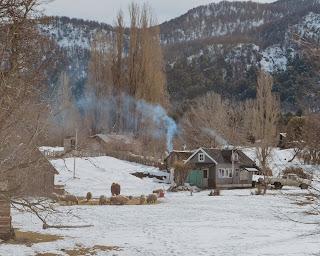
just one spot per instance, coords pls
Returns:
(195, 178)
(212, 178)
(205, 175)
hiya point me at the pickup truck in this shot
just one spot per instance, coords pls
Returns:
(288, 180)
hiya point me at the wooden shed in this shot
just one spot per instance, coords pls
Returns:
(176, 156)
(35, 178)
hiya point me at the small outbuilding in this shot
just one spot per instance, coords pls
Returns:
(176, 156)
(220, 169)
(33, 178)
(282, 140)
(6, 231)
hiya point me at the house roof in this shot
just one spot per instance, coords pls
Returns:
(223, 156)
(182, 154)
(107, 138)
(252, 169)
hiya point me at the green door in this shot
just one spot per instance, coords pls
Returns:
(195, 178)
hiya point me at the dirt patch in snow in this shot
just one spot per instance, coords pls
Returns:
(142, 175)
(30, 238)
(90, 251)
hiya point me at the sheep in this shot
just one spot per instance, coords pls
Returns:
(69, 199)
(119, 200)
(152, 199)
(102, 200)
(115, 189)
(142, 199)
(89, 196)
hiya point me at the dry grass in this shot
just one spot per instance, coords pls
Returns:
(312, 213)
(30, 238)
(79, 251)
(303, 203)
(47, 254)
(92, 202)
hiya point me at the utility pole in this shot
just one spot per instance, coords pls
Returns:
(74, 157)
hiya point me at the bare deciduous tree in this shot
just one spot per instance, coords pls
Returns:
(265, 116)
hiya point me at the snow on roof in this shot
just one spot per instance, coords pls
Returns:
(252, 169)
(51, 149)
(125, 138)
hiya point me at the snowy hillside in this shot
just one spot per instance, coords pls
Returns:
(218, 47)
(279, 161)
(309, 27)
(71, 33)
(218, 19)
(96, 174)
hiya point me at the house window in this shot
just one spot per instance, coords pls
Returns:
(225, 173)
(235, 156)
(201, 157)
(205, 174)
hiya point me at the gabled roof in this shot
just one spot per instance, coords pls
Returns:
(223, 156)
(183, 154)
(203, 151)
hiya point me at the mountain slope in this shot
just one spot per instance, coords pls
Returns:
(220, 47)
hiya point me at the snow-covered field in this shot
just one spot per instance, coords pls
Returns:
(235, 223)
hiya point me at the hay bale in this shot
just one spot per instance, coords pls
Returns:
(115, 189)
(119, 200)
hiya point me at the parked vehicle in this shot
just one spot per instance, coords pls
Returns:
(288, 180)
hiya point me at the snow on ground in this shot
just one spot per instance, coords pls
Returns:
(51, 149)
(96, 174)
(236, 223)
(274, 58)
(279, 160)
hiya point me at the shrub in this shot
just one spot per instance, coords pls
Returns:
(181, 172)
(152, 199)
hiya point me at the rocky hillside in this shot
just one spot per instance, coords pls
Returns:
(219, 47)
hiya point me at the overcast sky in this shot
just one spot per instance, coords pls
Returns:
(105, 10)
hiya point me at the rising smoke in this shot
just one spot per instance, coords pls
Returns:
(216, 136)
(155, 117)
